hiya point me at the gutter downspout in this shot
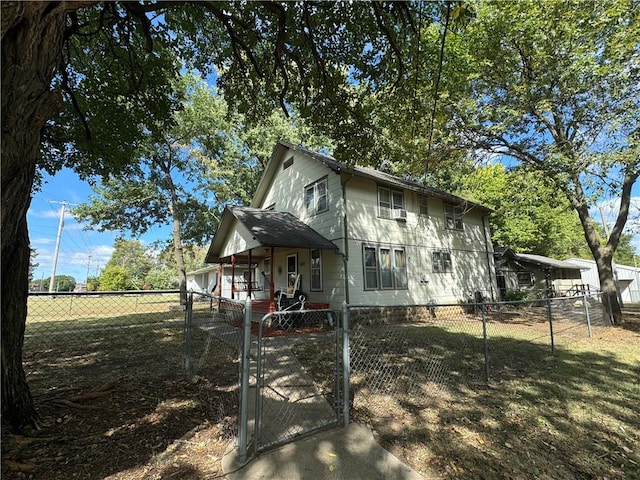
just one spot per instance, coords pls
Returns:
(486, 249)
(233, 276)
(345, 254)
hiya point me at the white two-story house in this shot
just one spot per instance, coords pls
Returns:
(354, 234)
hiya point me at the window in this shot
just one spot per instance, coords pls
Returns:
(385, 268)
(400, 268)
(453, 217)
(388, 201)
(386, 274)
(441, 262)
(315, 197)
(525, 279)
(316, 269)
(422, 204)
(370, 269)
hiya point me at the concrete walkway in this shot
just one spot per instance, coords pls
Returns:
(338, 454)
(292, 405)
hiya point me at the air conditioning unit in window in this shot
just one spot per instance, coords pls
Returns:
(400, 214)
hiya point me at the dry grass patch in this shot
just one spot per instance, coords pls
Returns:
(571, 415)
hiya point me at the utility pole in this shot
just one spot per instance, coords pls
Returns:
(86, 282)
(63, 206)
(55, 255)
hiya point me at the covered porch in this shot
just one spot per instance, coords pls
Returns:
(270, 243)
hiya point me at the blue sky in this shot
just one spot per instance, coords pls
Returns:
(83, 251)
(80, 250)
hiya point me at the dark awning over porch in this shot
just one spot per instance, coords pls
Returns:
(253, 228)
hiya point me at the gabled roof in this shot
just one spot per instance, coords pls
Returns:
(269, 229)
(339, 167)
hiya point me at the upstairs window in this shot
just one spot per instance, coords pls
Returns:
(453, 217)
(423, 203)
(315, 197)
(441, 262)
(389, 201)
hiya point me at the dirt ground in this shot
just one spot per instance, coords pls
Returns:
(117, 406)
(134, 417)
(137, 417)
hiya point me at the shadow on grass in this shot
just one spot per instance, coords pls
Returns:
(569, 415)
(115, 400)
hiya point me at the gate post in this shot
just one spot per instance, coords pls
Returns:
(346, 373)
(188, 336)
(550, 318)
(244, 384)
(485, 341)
(586, 312)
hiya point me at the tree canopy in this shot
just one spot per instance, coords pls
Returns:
(529, 213)
(84, 82)
(555, 86)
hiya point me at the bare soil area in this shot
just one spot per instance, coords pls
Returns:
(116, 406)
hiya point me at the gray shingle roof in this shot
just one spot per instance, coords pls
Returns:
(267, 227)
(279, 229)
(545, 261)
(385, 178)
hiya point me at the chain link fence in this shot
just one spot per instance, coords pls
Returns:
(100, 343)
(72, 339)
(213, 328)
(296, 365)
(425, 353)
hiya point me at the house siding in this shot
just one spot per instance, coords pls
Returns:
(236, 241)
(420, 235)
(287, 193)
(352, 221)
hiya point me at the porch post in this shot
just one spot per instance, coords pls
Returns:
(272, 303)
(249, 279)
(233, 276)
(220, 277)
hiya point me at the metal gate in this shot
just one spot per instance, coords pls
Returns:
(299, 375)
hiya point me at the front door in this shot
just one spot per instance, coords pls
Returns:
(292, 271)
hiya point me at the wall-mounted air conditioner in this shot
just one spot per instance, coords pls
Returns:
(400, 214)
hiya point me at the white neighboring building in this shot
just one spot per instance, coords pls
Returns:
(628, 278)
(205, 280)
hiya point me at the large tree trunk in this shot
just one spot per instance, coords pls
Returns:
(603, 254)
(610, 297)
(32, 34)
(178, 249)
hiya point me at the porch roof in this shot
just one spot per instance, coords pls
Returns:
(264, 228)
(538, 260)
